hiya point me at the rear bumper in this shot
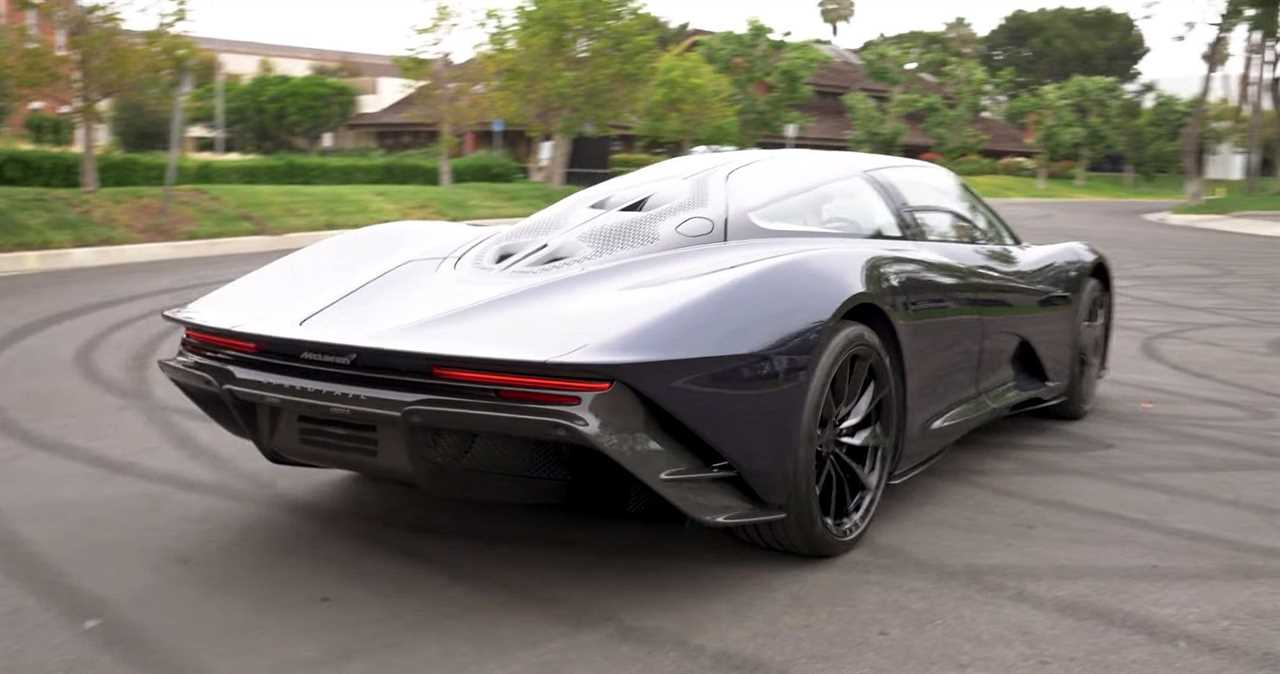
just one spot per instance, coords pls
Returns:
(429, 435)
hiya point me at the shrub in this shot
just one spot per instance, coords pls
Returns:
(486, 167)
(627, 162)
(1016, 166)
(972, 165)
(933, 157)
(41, 168)
(45, 129)
(1062, 169)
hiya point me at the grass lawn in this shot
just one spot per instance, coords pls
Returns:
(1234, 203)
(36, 218)
(1098, 186)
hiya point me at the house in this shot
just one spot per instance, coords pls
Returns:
(375, 77)
(407, 123)
(21, 16)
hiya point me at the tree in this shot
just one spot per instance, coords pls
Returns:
(1192, 135)
(105, 60)
(950, 119)
(274, 113)
(874, 128)
(769, 77)
(452, 94)
(835, 12)
(688, 101)
(1078, 120)
(26, 67)
(932, 51)
(1053, 45)
(565, 67)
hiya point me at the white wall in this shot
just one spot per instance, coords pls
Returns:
(1227, 163)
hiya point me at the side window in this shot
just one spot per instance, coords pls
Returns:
(945, 209)
(848, 206)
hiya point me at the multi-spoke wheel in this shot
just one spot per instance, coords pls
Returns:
(851, 431)
(1090, 352)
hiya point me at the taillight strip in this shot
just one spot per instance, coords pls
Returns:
(520, 381)
(224, 342)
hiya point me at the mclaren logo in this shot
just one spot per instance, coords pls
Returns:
(346, 359)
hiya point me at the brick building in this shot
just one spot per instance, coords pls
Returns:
(24, 18)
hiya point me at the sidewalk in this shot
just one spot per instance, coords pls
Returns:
(1256, 223)
(101, 256)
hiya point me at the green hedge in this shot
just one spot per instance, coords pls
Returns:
(26, 168)
(972, 165)
(627, 162)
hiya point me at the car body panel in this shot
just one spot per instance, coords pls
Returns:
(710, 339)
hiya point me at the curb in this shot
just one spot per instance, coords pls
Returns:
(101, 256)
(1219, 223)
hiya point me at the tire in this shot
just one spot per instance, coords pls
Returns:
(850, 435)
(1089, 353)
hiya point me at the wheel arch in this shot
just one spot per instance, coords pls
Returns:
(875, 317)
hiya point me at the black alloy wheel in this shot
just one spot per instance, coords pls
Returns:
(1089, 359)
(851, 433)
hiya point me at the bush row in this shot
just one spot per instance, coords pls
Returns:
(27, 168)
(626, 162)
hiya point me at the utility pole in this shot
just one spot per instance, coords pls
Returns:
(219, 108)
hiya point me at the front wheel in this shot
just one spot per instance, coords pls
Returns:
(1089, 355)
(848, 440)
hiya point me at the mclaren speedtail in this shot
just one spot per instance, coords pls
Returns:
(762, 339)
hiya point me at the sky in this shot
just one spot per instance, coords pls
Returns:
(384, 26)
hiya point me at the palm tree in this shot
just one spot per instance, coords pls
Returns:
(835, 12)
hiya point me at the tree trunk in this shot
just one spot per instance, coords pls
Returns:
(220, 109)
(176, 129)
(1255, 117)
(1130, 174)
(1042, 176)
(1082, 166)
(446, 168)
(1192, 159)
(561, 148)
(1275, 98)
(684, 146)
(88, 160)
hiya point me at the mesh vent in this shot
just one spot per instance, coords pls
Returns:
(615, 233)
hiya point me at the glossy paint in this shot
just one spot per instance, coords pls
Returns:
(710, 341)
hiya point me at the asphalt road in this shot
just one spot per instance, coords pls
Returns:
(137, 537)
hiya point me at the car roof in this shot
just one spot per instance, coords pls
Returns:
(821, 160)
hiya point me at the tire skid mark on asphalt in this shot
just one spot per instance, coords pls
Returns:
(1248, 412)
(312, 513)
(161, 420)
(1150, 349)
(123, 640)
(87, 365)
(1269, 552)
(1129, 469)
(1165, 632)
(1112, 476)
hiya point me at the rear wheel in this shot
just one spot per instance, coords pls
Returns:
(842, 462)
(1090, 353)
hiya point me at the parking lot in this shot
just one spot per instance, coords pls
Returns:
(136, 536)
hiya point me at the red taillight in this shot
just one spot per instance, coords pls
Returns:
(520, 381)
(537, 397)
(224, 342)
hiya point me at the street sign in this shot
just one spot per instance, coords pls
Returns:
(498, 125)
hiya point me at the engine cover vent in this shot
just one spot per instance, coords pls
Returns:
(578, 231)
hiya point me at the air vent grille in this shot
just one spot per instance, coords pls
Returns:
(338, 435)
